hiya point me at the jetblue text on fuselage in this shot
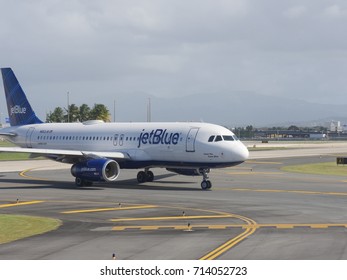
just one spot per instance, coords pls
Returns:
(158, 136)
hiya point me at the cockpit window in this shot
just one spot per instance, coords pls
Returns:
(218, 138)
(211, 138)
(228, 138)
(235, 137)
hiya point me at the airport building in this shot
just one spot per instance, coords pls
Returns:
(289, 135)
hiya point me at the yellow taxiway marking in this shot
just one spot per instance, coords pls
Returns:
(173, 227)
(284, 226)
(292, 191)
(228, 245)
(234, 241)
(23, 174)
(109, 209)
(294, 226)
(228, 226)
(217, 227)
(172, 218)
(21, 203)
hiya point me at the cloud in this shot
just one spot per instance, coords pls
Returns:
(101, 49)
(295, 12)
(335, 11)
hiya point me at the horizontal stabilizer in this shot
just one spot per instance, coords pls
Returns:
(8, 134)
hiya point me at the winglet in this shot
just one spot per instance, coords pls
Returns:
(18, 106)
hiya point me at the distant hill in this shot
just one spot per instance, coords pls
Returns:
(234, 109)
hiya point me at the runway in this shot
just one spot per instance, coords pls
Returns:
(254, 211)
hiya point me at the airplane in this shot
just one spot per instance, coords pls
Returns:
(99, 150)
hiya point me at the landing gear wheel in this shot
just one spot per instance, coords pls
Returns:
(149, 176)
(141, 177)
(79, 182)
(206, 185)
(145, 176)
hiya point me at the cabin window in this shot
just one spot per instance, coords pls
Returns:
(218, 138)
(211, 138)
(228, 138)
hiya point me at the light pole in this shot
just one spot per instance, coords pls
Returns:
(149, 110)
(68, 107)
(114, 110)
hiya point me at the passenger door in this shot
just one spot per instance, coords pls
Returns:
(190, 143)
(28, 137)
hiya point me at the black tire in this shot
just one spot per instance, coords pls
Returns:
(141, 177)
(88, 183)
(204, 185)
(149, 176)
(79, 182)
(209, 184)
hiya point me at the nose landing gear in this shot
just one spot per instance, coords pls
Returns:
(205, 184)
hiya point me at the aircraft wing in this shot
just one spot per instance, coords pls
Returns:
(61, 155)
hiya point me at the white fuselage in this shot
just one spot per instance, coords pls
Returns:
(146, 144)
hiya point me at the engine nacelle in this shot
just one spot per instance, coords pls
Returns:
(184, 171)
(101, 169)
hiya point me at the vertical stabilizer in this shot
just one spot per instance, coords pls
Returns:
(18, 106)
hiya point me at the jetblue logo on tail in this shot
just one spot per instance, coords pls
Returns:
(18, 106)
(158, 136)
(18, 110)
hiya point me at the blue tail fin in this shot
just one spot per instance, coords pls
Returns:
(19, 109)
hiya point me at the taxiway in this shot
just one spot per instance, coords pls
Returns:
(254, 211)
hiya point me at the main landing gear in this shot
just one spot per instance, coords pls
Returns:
(145, 176)
(81, 182)
(205, 184)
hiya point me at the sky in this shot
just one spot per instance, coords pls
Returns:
(101, 50)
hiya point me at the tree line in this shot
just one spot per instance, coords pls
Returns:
(78, 114)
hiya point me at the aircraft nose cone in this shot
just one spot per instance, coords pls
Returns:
(243, 152)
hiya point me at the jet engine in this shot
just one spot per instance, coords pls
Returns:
(101, 169)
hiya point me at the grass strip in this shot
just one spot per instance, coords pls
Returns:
(15, 227)
(323, 168)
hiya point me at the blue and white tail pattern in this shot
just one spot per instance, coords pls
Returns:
(18, 106)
